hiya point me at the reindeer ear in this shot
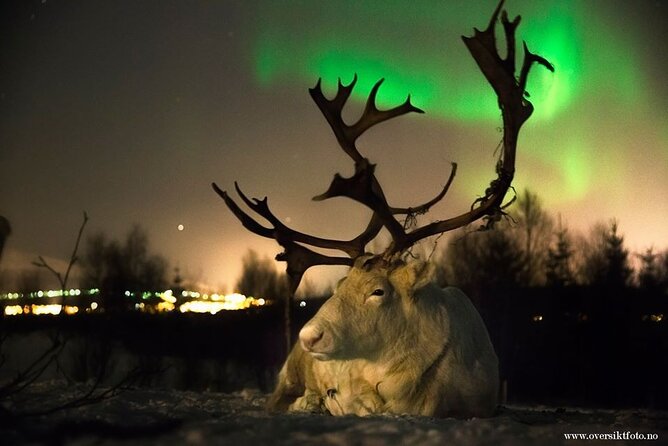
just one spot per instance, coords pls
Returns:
(367, 262)
(410, 277)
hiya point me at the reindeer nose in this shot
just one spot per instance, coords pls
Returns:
(309, 337)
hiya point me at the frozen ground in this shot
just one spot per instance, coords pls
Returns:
(165, 417)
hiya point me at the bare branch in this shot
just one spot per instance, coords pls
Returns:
(73, 257)
(62, 281)
(33, 371)
(43, 264)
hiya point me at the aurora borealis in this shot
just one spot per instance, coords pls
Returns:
(130, 109)
(591, 62)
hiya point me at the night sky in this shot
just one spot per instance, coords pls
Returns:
(130, 109)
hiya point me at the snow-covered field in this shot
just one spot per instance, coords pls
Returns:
(166, 417)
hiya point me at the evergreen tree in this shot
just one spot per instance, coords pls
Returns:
(558, 266)
(532, 231)
(663, 272)
(5, 231)
(482, 261)
(618, 272)
(648, 277)
(606, 258)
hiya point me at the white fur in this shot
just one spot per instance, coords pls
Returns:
(417, 349)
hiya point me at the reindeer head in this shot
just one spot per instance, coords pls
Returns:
(370, 309)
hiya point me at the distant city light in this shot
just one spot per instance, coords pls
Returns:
(53, 309)
(234, 301)
(13, 310)
(191, 301)
(164, 306)
(168, 296)
(653, 317)
(70, 309)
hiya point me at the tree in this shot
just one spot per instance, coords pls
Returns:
(29, 280)
(606, 260)
(559, 270)
(484, 260)
(514, 254)
(534, 228)
(663, 272)
(259, 278)
(94, 263)
(116, 267)
(5, 231)
(37, 365)
(618, 273)
(653, 274)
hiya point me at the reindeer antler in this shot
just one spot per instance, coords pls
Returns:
(515, 110)
(363, 186)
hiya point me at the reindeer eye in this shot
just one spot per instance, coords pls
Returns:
(378, 292)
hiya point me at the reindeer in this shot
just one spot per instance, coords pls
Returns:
(389, 340)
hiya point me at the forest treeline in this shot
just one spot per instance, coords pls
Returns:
(534, 248)
(530, 247)
(112, 265)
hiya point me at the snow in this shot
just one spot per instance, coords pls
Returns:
(142, 416)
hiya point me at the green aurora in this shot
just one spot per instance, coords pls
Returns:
(131, 109)
(374, 46)
(411, 45)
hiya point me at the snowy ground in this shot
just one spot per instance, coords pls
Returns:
(148, 417)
